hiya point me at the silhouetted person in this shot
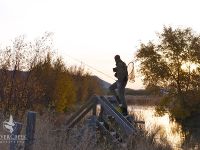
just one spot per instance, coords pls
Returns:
(121, 74)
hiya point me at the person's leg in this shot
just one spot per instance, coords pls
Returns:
(121, 88)
(112, 88)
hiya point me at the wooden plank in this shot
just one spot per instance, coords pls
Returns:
(13, 144)
(30, 130)
(79, 116)
(94, 111)
(141, 122)
(80, 110)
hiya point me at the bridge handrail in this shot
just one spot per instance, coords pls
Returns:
(76, 117)
(107, 106)
(122, 121)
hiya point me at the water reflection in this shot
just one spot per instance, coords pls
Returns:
(170, 129)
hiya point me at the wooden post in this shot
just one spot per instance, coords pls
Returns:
(101, 113)
(14, 135)
(94, 112)
(30, 130)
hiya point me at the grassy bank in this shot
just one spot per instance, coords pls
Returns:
(145, 100)
(50, 134)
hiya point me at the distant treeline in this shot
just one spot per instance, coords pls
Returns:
(32, 77)
(137, 92)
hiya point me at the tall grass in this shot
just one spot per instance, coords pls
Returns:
(81, 137)
(51, 135)
(143, 100)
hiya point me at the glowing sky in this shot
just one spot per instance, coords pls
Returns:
(93, 31)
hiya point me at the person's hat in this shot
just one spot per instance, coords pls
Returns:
(117, 57)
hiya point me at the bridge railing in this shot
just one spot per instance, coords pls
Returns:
(107, 107)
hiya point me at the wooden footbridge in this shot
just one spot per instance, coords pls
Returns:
(106, 119)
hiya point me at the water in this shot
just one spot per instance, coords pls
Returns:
(171, 130)
(178, 138)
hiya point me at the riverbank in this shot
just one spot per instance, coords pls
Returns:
(143, 100)
(179, 137)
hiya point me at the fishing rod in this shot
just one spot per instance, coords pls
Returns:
(130, 68)
(89, 66)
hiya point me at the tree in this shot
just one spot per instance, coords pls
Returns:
(173, 63)
(33, 78)
(56, 82)
(18, 87)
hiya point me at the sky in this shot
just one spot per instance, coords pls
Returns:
(94, 31)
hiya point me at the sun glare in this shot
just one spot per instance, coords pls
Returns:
(189, 66)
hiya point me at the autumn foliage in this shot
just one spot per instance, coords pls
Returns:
(173, 63)
(33, 78)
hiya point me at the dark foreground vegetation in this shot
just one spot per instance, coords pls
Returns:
(51, 134)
